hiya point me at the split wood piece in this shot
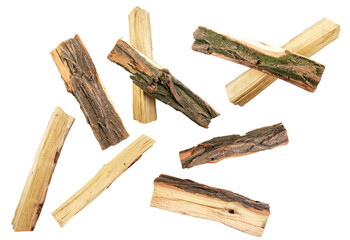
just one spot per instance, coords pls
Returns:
(198, 200)
(158, 82)
(102, 180)
(37, 184)
(248, 85)
(219, 148)
(144, 106)
(275, 61)
(81, 79)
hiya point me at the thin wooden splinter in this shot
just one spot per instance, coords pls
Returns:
(37, 184)
(102, 180)
(144, 106)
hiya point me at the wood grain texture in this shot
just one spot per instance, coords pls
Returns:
(219, 148)
(159, 83)
(81, 79)
(248, 85)
(190, 198)
(144, 106)
(37, 184)
(102, 180)
(278, 62)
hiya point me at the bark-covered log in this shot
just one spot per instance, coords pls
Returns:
(37, 184)
(275, 61)
(220, 148)
(159, 83)
(81, 79)
(249, 84)
(198, 200)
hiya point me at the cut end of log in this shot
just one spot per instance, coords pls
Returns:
(219, 148)
(37, 184)
(190, 198)
(158, 82)
(81, 79)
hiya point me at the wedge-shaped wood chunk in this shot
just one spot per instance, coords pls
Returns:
(159, 83)
(35, 189)
(198, 200)
(102, 180)
(249, 84)
(220, 148)
(275, 61)
(81, 79)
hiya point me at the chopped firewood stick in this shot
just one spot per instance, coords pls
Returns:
(248, 85)
(219, 148)
(102, 180)
(198, 200)
(275, 61)
(144, 106)
(81, 79)
(159, 83)
(34, 192)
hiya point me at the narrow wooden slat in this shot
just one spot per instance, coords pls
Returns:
(144, 106)
(102, 180)
(37, 184)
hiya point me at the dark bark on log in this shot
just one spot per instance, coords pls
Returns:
(198, 200)
(277, 62)
(220, 148)
(81, 79)
(159, 83)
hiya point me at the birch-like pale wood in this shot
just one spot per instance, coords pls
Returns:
(102, 180)
(284, 64)
(248, 85)
(144, 106)
(37, 184)
(190, 198)
(219, 148)
(81, 79)
(161, 84)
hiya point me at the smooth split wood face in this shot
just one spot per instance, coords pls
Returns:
(190, 198)
(219, 148)
(102, 180)
(81, 79)
(144, 106)
(248, 85)
(37, 184)
(161, 84)
(278, 62)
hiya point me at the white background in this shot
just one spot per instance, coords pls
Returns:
(306, 183)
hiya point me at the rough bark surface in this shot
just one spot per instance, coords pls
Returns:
(277, 62)
(81, 79)
(37, 184)
(220, 148)
(159, 83)
(198, 200)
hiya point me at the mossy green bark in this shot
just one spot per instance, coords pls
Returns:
(291, 67)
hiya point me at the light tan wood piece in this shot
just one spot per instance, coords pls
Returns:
(198, 200)
(102, 180)
(144, 106)
(252, 82)
(37, 184)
